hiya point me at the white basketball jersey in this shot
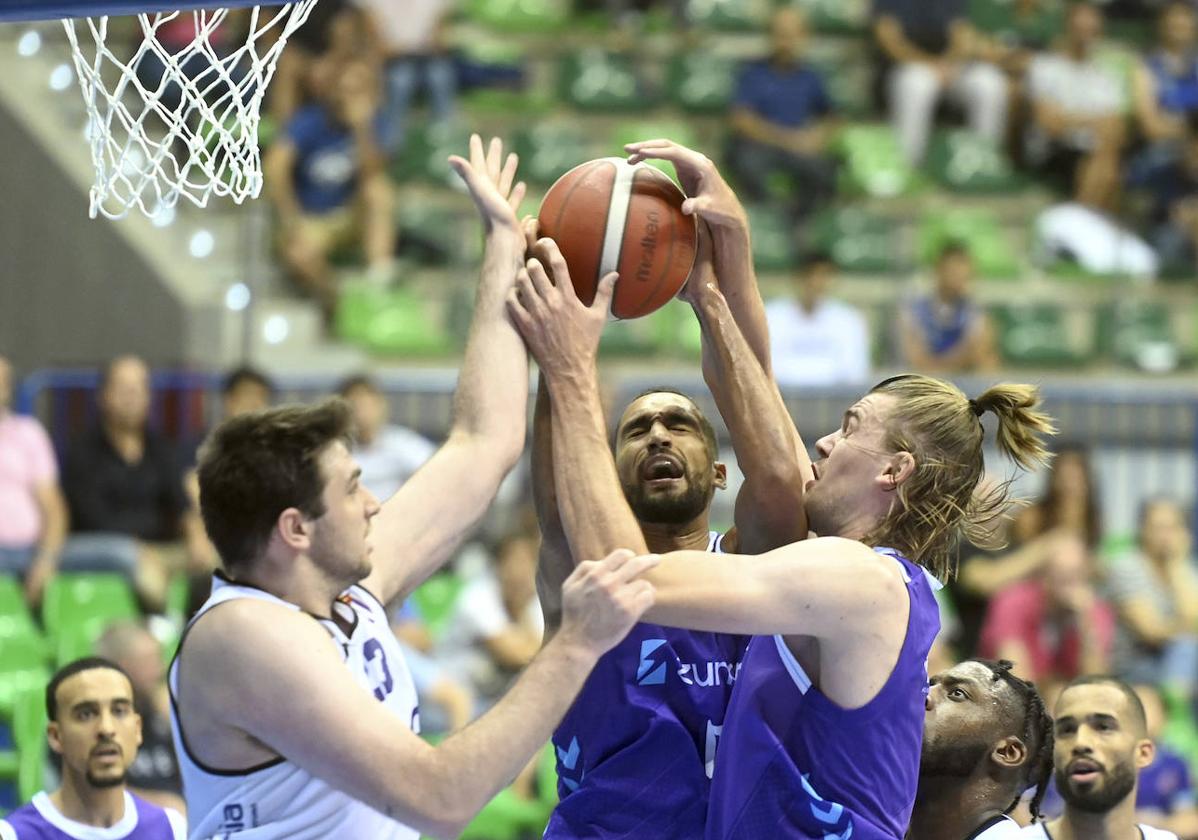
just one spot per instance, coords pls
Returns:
(1038, 831)
(278, 799)
(1002, 828)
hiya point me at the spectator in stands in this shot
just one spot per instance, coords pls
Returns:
(1166, 797)
(244, 389)
(154, 774)
(446, 703)
(1165, 92)
(34, 520)
(1012, 32)
(1054, 626)
(946, 331)
(496, 625)
(334, 32)
(782, 121)
(1077, 128)
(1155, 590)
(815, 340)
(1069, 501)
(410, 35)
(929, 50)
(1172, 189)
(388, 454)
(328, 182)
(124, 487)
(94, 728)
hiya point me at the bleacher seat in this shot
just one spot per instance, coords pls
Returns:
(22, 667)
(435, 599)
(29, 729)
(395, 321)
(1140, 333)
(15, 616)
(549, 149)
(1042, 335)
(729, 15)
(873, 163)
(519, 16)
(79, 598)
(964, 162)
(836, 17)
(594, 79)
(700, 82)
(859, 241)
(773, 240)
(980, 231)
(426, 151)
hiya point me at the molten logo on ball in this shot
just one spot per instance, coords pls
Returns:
(644, 269)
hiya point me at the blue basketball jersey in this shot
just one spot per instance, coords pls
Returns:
(635, 752)
(40, 820)
(795, 766)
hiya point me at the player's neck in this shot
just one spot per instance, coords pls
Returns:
(297, 582)
(82, 803)
(1117, 824)
(949, 809)
(691, 536)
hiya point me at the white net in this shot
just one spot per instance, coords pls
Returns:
(179, 118)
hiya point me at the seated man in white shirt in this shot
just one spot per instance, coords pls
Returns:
(815, 340)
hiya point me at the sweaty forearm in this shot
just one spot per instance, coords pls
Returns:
(492, 393)
(510, 734)
(594, 512)
(732, 256)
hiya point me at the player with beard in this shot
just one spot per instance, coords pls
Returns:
(986, 738)
(823, 731)
(1101, 745)
(94, 728)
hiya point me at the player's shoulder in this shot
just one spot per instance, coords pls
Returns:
(1035, 830)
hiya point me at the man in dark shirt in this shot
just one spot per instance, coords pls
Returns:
(781, 120)
(928, 49)
(124, 487)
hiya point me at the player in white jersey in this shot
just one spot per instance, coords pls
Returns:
(293, 709)
(987, 737)
(1101, 745)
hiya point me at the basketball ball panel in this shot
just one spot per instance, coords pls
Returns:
(574, 214)
(658, 249)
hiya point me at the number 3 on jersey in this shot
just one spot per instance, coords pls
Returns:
(379, 673)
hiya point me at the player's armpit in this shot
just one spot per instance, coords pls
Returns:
(274, 674)
(825, 587)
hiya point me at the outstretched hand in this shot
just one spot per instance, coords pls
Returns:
(562, 333)
(709, 196)
(491, 181)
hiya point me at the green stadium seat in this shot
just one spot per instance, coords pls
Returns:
(701, 83)
(15, 616)
(1041, 335)
(22, 667)
(729, 15)
(432, 234)
(651, 129)
(593, 79)
(506, 817)
(395, 322)
(773, 240)
(519, 16)
(849, 83)
(426, 151)
(836, 17)
(873, 163)
(993, 253)
(78, 598)
(31, 772)
(78, 639)
(859, 241)
(435, 600)
(549, 149)
(640, 337)
(967, 163)
(1140, 333)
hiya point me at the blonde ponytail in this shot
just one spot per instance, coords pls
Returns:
(1022, 427)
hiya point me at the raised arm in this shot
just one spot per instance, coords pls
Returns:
(555, 562)
(563, 336)
(287, 670)
(769, 504)
(421, 525)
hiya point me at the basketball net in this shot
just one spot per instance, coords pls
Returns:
(194, 134)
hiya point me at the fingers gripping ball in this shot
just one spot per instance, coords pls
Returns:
(609, 215)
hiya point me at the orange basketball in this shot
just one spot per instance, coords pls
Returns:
(609, 215)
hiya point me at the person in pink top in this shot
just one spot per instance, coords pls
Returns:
(33, 516)
(1053, 625)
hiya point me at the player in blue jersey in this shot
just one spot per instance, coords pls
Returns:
(643, 767)
(94, 728)
(986, 738)
(823, 732)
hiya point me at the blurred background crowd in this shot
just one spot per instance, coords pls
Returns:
(957, 187)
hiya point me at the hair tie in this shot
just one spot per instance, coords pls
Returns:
(977, 409)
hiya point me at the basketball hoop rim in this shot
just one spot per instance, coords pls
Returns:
(36, 10)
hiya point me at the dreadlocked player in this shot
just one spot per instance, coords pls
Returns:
(986, 738)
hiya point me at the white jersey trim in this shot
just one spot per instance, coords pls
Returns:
(7, 832)
(178, 823)
(81, 831)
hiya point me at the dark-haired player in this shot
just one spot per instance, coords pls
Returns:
(1101, 745)
(986, 738)
(95, 729)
